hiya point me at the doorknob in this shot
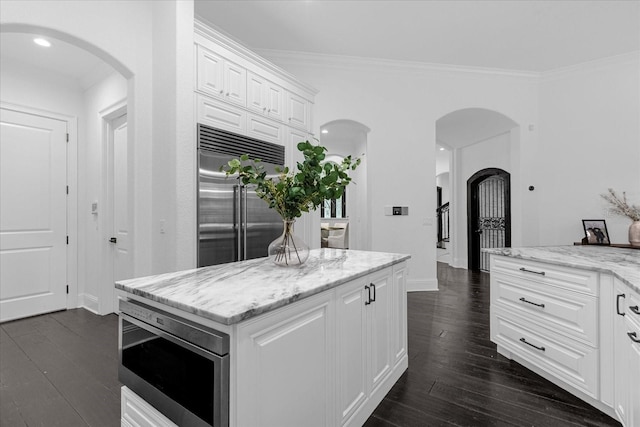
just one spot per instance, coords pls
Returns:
(113, 240)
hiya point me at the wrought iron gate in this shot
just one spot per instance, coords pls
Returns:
(489, 215)
(491, 218)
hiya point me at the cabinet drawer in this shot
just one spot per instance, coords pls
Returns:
(135, 412)
(632, 311)
(575, 279)
(264, 129)
(220, 115)
(566, 312)
(568, 360)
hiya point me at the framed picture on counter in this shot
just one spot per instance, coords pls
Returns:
(595, 231)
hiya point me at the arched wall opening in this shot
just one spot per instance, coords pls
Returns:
(343, 138)
(87, 101)
(474, 139)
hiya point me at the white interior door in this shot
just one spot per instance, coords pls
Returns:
(120, 236)
(33, 214)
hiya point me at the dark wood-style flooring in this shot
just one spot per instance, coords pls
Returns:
(60, 369)
(456, 376)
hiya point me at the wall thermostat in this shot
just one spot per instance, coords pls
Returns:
(396, 210)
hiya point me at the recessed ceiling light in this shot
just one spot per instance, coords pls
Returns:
(441, 149)
(42, 42)
(325, 131)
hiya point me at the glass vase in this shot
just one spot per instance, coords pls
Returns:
(288, 249)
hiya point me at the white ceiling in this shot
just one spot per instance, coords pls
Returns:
(508, 34)
(61, 58)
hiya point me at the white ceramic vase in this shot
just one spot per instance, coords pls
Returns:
(634, 234)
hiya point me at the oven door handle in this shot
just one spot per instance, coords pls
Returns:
(173, 338)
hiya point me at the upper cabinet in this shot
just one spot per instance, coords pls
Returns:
(220, 77)
(264, 101)
(298, 111)
(265, 97)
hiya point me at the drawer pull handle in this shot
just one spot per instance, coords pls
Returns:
(368, 301)
(632, 335)
(534, 346)
(635, 309)
(532, 303)
(542, 273)
(618, 303)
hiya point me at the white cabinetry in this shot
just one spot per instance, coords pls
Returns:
(574, 327)
(369, 313)
(220, 77)
(238, 91)
(547, 315)
(287, 356)
(326, 360)
(298, 111)
(138, 413)
(627, 355)
(265, 97)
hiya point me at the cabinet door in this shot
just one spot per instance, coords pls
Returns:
(256, 93)
(634, 382)
(210, 71)
(298, 110)
(286, 367)
(235, 83)
(381, 317)
(621, 355)
(274, 97)
(399, 309)
(351, 350)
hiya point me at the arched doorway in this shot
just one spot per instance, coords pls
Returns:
(489, 213)
(343, 138)
(85, 88)
(471, 140)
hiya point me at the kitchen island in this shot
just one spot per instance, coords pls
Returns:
(320, 344)
(572, 315)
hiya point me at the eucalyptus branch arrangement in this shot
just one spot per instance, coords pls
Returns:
(621, 206)
(292, 193)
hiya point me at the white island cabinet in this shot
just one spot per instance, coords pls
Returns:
(319, 345)
(572, 315)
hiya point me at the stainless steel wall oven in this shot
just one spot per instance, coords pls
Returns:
(179, 367)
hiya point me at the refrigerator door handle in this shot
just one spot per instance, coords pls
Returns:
(244, 221)
(238, 219)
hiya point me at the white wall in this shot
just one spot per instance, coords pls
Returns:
(94, 246)
(589, 141)
(401, 105)
(494, 152)
(124, 35)
(32, 87)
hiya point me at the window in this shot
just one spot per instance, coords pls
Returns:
(335, 208)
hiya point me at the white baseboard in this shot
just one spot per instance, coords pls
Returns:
(422, 285)
(89, 302)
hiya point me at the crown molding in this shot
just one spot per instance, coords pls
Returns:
(625, 58)
(355, 62)
(210, 31)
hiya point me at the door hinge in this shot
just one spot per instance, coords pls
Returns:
(67, 189)
(67, 289)
(67, 240)
(67, 137)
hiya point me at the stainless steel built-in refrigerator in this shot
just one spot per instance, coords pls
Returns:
(234, 224)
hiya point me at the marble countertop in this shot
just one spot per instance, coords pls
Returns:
(621, 262)
(230, 293)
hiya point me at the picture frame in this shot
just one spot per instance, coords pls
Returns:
(595, 231)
